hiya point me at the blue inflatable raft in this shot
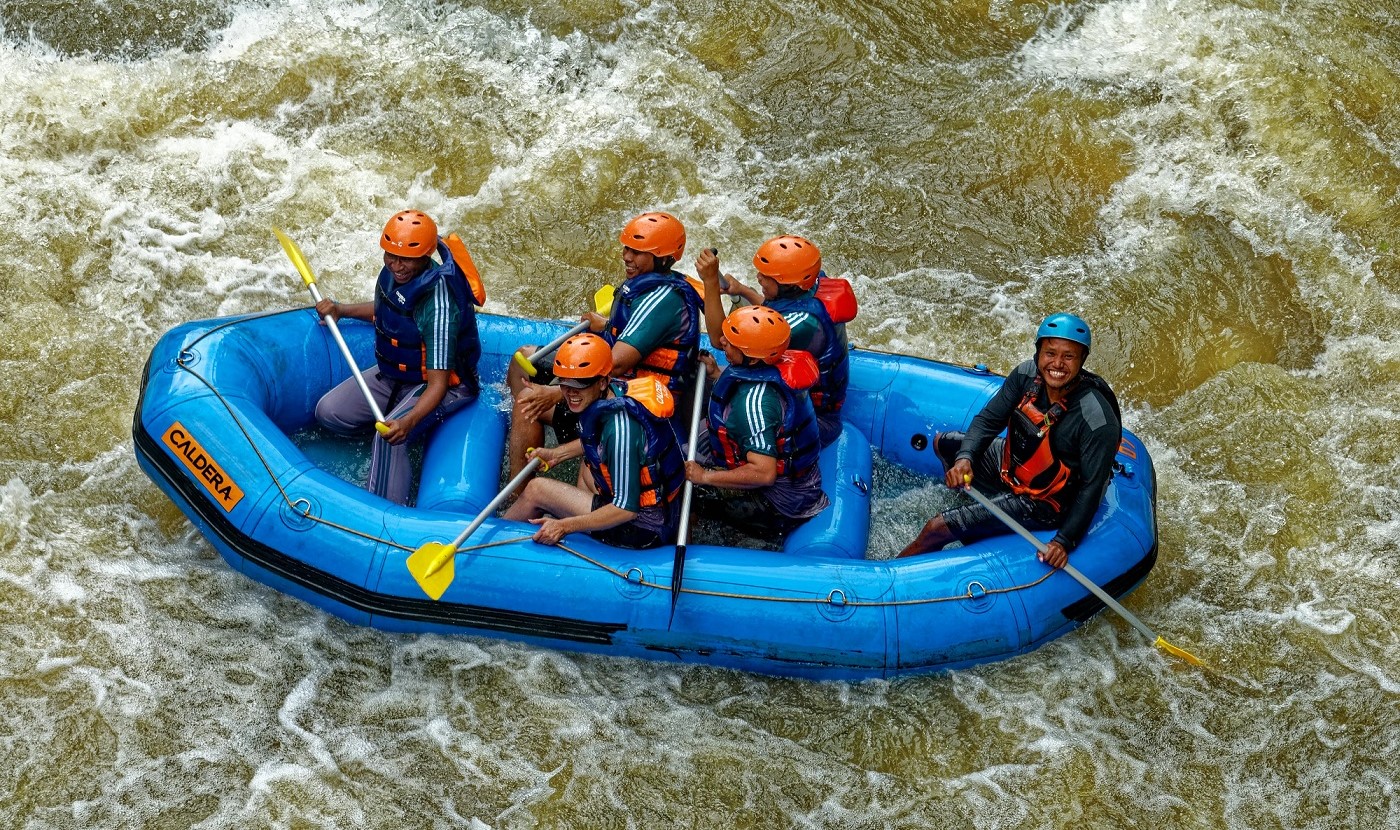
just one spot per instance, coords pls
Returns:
(221, 400)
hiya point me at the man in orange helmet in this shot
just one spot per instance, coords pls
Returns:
(789, 268)
(762, 432)
(632, 460)
(425, 346)
(653, 329)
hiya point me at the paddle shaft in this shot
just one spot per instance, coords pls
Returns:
(689, 489)
(549, 347)
(1068, 568)
(349, 359)
(496, 502)
(299, 262)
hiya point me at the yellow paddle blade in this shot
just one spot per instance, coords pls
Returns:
(296, 256)
(432, 568)
(603, 299)
(524, 363)
(446, 557)
(1178, 652)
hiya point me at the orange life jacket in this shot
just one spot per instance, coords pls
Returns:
(464, 261)
(1028, 465)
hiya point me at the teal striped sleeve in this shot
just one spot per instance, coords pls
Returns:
(806, 331)
(622, 446)
(754, 418)
(439, 321)
(656, 320)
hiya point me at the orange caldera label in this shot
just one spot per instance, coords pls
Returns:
(206, 470)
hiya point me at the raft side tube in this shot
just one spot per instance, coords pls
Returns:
(842, 529)
(231, 469)
(925, 398)
(237, 535)
(760, 608)
(970, 588)
(501, 337)
(463, 457)
(519, 588)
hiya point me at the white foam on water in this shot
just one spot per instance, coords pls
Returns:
(16, 509)
(190, 696)
(1201, 127)
(1330, 621)
(902, 313)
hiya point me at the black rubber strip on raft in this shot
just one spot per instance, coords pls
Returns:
(1116, 587)
(1090, 605)
(354, 596)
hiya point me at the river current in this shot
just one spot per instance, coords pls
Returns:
(1214, 185)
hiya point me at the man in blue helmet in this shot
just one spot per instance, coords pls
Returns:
(1050, 470)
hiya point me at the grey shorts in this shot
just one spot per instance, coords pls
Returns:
(972, 522)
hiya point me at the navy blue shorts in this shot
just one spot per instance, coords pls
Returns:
(747, 511)
(626, 535)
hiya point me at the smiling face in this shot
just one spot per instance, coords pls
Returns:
(636, 262)
(580, 398)
(1059, 362)
(405, 268)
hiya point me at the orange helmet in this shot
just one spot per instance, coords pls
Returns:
(583, 357)
(410, 233)
(758, 331)
(789, 260)
(657, 233)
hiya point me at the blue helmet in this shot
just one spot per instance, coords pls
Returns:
(1066, 327)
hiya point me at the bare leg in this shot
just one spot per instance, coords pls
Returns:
(935, 535)
(549, 496)
(585, 480)
(515, 376)
(525, 431)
